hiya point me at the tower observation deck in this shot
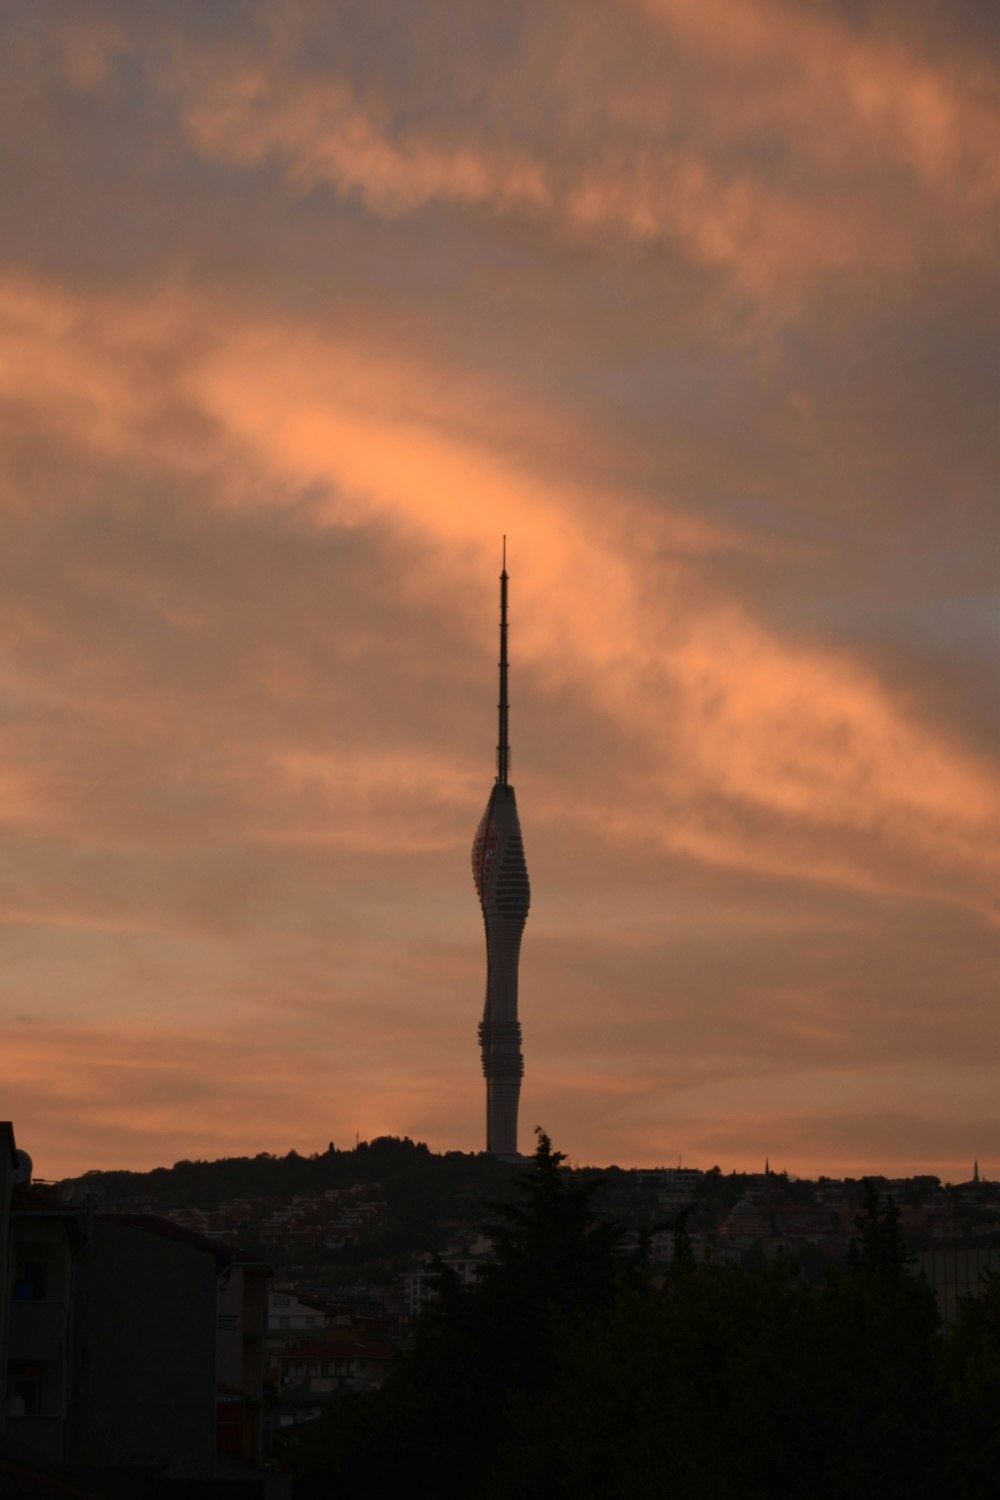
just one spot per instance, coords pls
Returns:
(501, 877)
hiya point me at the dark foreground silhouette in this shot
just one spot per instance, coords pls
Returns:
(567, 1373)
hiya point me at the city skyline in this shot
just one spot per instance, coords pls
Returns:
(301, 309)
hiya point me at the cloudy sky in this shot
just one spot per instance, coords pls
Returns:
(302, 307)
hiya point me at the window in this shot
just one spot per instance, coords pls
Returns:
(32, 1282)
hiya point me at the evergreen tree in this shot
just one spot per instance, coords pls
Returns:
(443, 1416)
(972, 1372)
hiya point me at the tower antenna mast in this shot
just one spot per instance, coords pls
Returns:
(503, 746)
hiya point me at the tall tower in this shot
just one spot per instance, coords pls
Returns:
(501, 877)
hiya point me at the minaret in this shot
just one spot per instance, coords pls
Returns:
(501, 877)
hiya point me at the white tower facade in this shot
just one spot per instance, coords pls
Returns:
(501, 876)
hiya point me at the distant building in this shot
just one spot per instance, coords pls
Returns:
(746, 1225)
(316, 1372)
(420, 1285)
(677, 1189)
(292, 1317)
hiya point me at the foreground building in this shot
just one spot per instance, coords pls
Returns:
(501, 877)
(131, 1349)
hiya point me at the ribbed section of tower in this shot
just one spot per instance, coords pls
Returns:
(501, 877)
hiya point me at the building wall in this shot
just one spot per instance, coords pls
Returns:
(39, 1330)
(286, 1314)
(229, 1348)
(144, 1353)
(242, 1321)
(6, 1188)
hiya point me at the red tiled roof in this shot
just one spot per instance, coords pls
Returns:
(339, 1343)
(307, 1299)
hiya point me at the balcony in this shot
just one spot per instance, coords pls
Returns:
(36, 1436)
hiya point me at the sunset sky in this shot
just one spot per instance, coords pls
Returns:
(303, 306)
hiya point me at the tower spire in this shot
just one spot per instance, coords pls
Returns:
(503, 747)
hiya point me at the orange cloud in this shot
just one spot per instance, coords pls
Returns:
(671, 141)
(738, 713)
(726, 710)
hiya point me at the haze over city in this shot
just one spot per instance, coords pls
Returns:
(302, 308)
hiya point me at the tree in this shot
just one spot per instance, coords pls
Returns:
(972, 1368)
(444, 1416)
(883, 1397)
(878, 1246)
(733, 1384)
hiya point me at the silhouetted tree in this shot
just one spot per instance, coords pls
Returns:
(442, 1418)
(749, 1385)
(972, 1374)
(564, 1374)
